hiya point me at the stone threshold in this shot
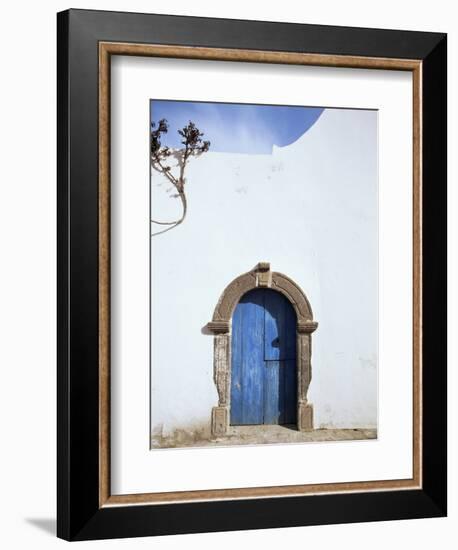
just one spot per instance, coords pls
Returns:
(260, 435)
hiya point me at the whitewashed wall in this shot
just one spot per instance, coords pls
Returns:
(310, 209)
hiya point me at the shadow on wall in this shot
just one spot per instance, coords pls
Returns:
(206, 331)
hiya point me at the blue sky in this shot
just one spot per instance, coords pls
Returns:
(236, 128)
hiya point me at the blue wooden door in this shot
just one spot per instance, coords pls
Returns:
(263, 379)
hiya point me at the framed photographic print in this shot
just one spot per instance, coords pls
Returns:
(252, 274)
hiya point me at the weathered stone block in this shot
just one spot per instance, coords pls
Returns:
(305, 417)
(220, 417)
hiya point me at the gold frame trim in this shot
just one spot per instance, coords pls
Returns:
(106, 50)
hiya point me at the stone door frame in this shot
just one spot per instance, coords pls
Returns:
(220, 325)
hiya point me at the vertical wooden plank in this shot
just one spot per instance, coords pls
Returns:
(290, 343)
(253, 357)
(273, 391)
(289, 412)
(236, 366)
(274, 349)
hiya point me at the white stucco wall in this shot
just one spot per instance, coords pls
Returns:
(310, 209)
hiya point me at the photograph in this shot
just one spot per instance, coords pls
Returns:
(263, 274)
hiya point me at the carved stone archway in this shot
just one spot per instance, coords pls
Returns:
(220, 325)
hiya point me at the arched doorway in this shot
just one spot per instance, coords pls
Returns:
(263, 360)
(261, 277)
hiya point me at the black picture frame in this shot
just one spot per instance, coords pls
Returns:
(80, 516)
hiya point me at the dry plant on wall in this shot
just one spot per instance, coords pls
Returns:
(161, 157)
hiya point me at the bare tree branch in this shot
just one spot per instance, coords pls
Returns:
(193, 146)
